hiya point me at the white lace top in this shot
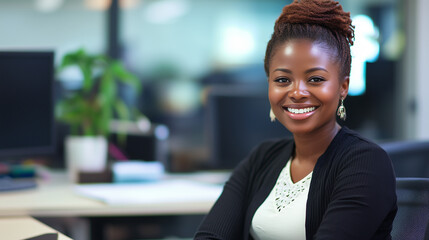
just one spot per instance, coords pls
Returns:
(282, 215)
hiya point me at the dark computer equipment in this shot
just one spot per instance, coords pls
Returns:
(238, 120)
(26, 105)
(150, 145)
(410, 158)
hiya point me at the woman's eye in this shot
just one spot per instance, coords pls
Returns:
(282, 80)
(316, 79)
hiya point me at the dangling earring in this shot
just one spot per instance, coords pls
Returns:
(342, 110)
(272, 116)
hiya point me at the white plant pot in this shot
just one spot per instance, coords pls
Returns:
(85, 154)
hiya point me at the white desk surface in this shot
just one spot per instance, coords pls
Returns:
(55, 197)
(25, 227)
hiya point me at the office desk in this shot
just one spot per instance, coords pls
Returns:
(25, 227)
(55, 198)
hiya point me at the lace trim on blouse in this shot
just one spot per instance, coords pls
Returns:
(286, 191)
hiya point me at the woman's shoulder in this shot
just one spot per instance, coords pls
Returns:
(352, 146)
(273, 146)
(354, 141)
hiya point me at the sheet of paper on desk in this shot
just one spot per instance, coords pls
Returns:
(153, 192)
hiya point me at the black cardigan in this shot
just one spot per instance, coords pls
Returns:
(351, 196)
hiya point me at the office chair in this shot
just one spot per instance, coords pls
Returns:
(409, 158)
(412, 218)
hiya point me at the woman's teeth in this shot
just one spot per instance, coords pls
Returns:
(301, 110)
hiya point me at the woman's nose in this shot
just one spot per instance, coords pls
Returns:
(298, 91)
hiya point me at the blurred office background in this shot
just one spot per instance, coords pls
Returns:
(201, 64)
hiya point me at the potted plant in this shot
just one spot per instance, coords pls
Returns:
(89, 110)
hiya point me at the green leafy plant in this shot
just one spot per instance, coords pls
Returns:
(90, 109)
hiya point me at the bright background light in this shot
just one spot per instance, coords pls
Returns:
(48, 5)
(166, 11)
(365, 49)
(237, 44)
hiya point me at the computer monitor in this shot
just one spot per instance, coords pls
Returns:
(26, 104)
(26, 111)
(238, 120)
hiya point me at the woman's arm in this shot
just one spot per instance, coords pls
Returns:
(363, 201)
(225, 219)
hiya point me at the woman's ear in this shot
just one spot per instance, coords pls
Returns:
(344, 88)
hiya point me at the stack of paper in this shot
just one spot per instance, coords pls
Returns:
(152, 192)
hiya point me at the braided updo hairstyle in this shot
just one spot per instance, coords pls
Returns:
(321, 21)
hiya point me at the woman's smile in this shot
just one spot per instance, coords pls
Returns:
(300, 113)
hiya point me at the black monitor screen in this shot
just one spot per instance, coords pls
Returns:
(238, 122)
(26, 103)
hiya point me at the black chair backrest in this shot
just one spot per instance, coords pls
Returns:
(412, 219)
(409, 158)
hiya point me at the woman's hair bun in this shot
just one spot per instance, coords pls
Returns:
(326, 13)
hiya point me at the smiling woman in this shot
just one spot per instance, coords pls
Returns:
(327, 182)
(304, 87)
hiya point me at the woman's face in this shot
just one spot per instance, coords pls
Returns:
(304, 86)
